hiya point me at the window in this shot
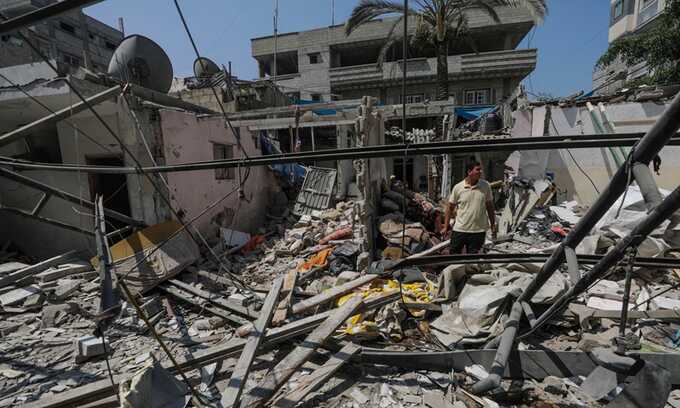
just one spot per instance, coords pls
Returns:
(109, 45)
(477, 97)
(618, 9)
(648, 10)
(71, 60)
(316, 97)
(314, 58)
(415, 98)
(67, 27)
(220, 152)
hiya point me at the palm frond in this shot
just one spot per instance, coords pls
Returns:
(368, 10)
(393, 37)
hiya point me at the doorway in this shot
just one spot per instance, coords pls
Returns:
(112, 187)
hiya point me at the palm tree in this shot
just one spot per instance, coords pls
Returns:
(437, 23)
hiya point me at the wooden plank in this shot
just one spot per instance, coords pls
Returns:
(331, 293)
(284, 305)
(280, 374)
(216, 299)
(239, 376)
(318, 377)
(37, 268)
(103, 388)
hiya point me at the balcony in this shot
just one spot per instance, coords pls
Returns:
(466, 66)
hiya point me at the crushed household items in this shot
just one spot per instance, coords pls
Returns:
(306, 315)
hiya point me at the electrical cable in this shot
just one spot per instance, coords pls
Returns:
(574, 159)
(108, 128)
(237, 135)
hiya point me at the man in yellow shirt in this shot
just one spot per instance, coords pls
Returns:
(470, 205)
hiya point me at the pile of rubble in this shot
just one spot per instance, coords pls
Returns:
(389, 332)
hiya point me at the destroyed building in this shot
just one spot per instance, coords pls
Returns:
(158, 252)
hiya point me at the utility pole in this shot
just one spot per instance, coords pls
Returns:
(276, 48)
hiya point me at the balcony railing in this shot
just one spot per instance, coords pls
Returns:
(466, 65)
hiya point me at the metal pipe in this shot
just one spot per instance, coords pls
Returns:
(648, 147)
(459, 259)
(645, 180)
(43, 13)
(68, 111)
(661, 213)
(367, 152)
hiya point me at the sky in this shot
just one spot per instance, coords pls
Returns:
(569, 41)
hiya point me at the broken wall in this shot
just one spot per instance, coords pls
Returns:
(597, 163)
(189, 138)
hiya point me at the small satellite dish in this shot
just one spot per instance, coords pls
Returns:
(143, 62)
(205, 68)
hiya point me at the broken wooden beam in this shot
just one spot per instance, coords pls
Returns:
(331, 294)
(37, 268)
(285, 369)
(318, 377)
(232, 394)
(287, 291)
(103, 388)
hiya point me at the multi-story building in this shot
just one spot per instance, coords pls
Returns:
(324, 64)
(626, 17)
(73, 39)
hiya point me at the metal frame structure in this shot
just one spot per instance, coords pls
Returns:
(643, 152)
(355, 153)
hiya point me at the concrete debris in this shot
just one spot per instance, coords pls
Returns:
(153, 387)
(88, 347)
(328, 279)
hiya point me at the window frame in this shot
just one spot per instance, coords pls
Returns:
(223, 151)
(316, 56)
(476, 93)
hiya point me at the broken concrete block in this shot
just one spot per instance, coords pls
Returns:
(88, 347)
(239, 299)
(34, 301)
(66, 288)
(51, 313)
(17, 296)
(554, 385)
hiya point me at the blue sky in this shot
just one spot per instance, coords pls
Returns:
(570, 40)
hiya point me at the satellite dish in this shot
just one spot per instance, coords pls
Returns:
(141, 61)
(205, 68)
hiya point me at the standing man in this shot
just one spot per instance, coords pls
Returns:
(471, 207)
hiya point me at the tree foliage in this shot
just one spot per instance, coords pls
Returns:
(437, 23)
(659, 46)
